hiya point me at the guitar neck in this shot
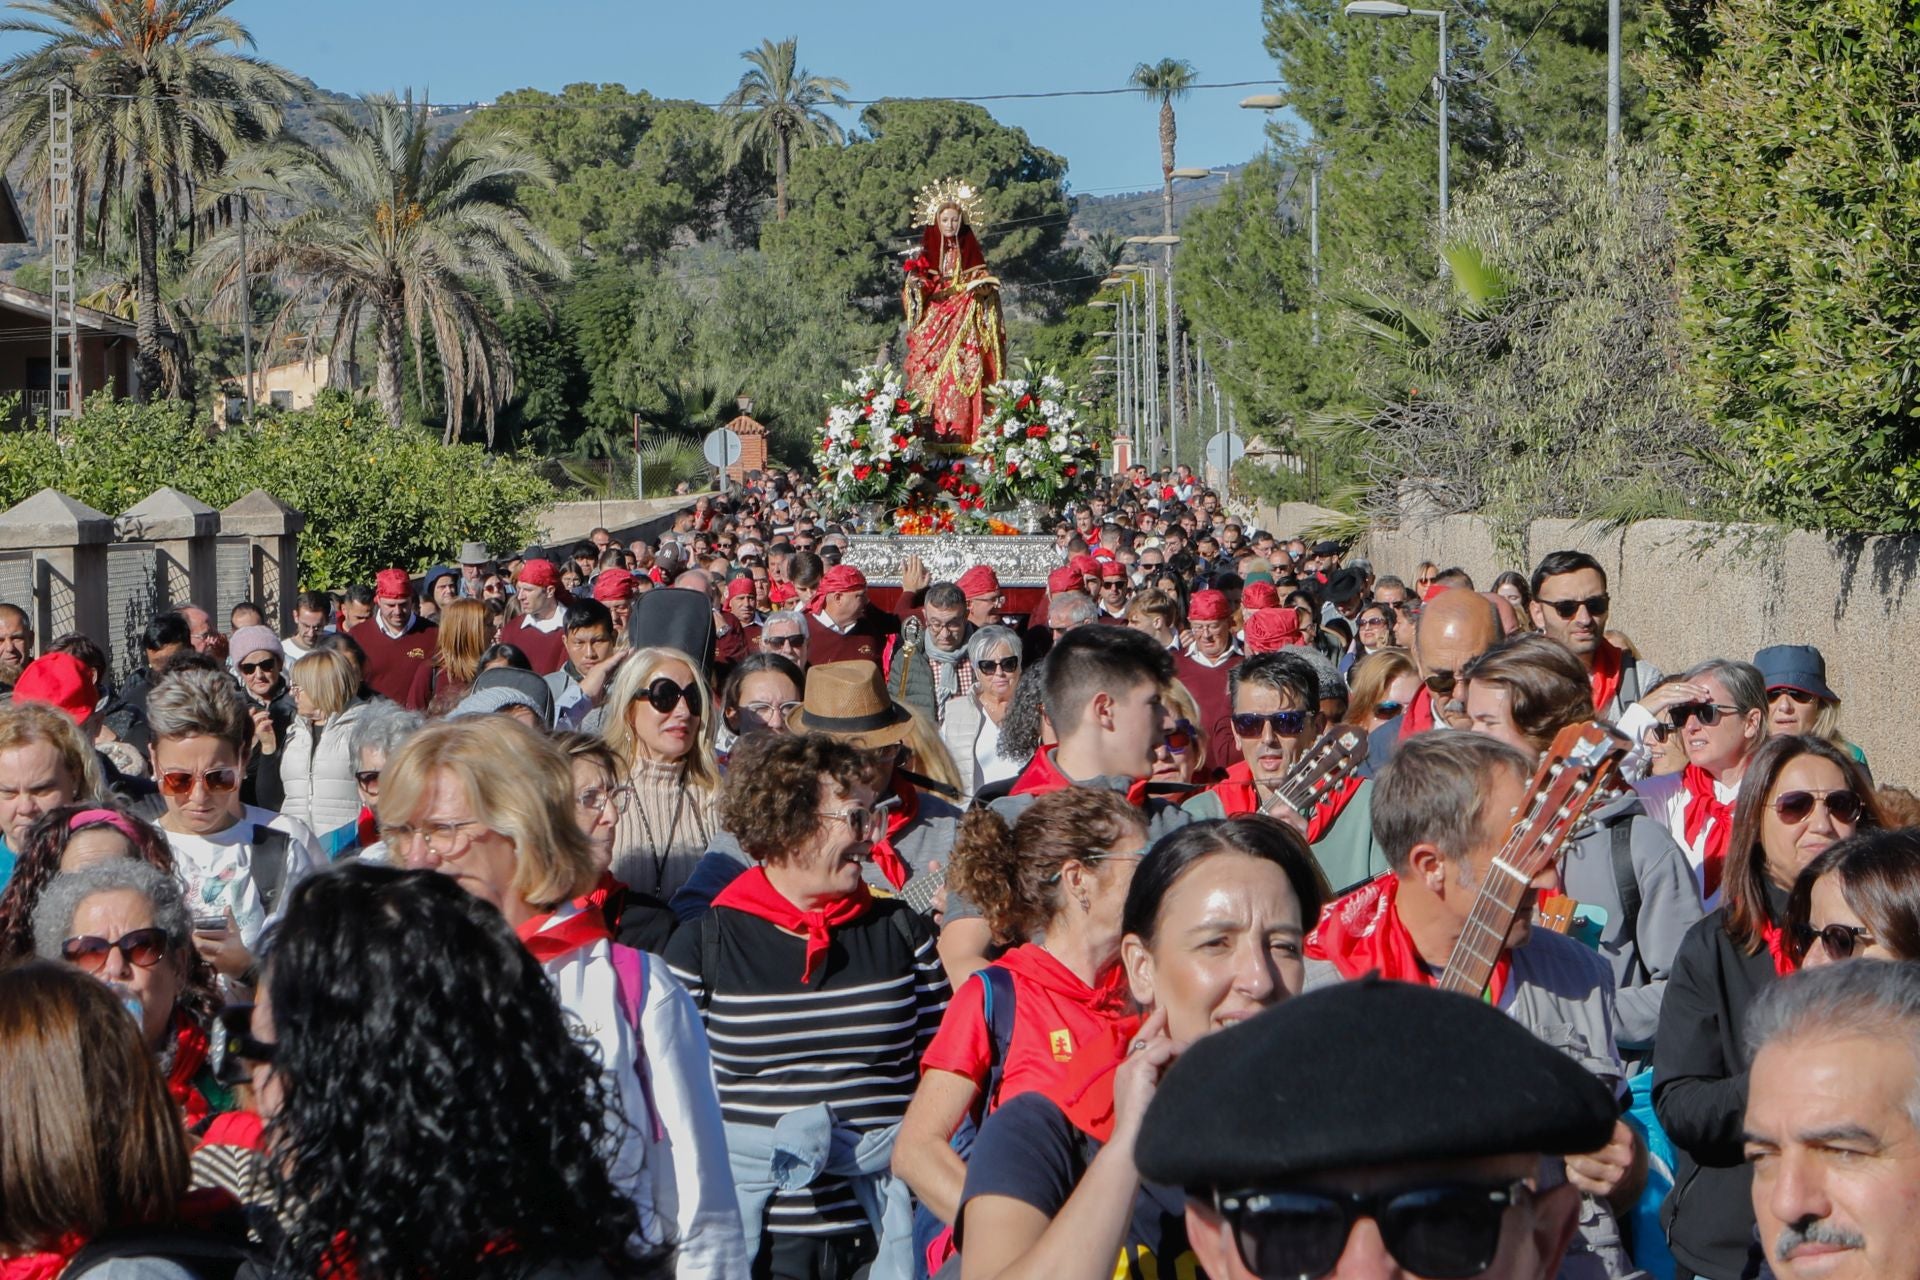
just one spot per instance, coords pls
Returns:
(1484, 937)
(920, 891)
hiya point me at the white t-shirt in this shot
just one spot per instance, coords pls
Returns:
(218, 870)
(989, 765)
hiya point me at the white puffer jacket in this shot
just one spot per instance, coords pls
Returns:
(316, 769)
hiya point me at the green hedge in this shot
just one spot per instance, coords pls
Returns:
(373, 497)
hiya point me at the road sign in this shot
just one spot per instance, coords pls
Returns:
(722, 448)
(1223, 450)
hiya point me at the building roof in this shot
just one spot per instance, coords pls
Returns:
(14, 298)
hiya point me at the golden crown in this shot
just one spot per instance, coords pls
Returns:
(936, 196)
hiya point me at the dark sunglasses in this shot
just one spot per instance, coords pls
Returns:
(1797, 806)
(1800, 696)
(663, 695)
(1707, 713)
(179, 782)
(1840, 940)
(1179, 739)
(142, 947)
(368, 778)
(1445, 1232)
(994, 666)
(1248, 724)
(1596, 606)
(236, 1020)
(1441, 683)
(268, 665)
(1387, 710)
(793, 641)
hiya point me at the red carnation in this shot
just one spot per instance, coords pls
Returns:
(1024, 402)
(1036, 431)
(903, 406)
(1072, 470)
(1012, 469)
(900, 442)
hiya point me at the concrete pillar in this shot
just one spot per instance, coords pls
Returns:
(67, 541)
(182, 529)
(272, 530)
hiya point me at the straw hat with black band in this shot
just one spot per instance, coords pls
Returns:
(849, 700)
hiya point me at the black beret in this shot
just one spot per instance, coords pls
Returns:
(1326, 548)
(1366, 1073)
(1342, 586)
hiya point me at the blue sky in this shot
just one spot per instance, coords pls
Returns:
(472, 50)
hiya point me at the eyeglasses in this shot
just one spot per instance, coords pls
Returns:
(598, 799)
(1179, 738)
(663, 695)
(770, 711)
(794, 641)
(1425, 580)
(860, 822)
(441, 837)
(1840, 940)
(368, 779)
(1374, 623)
(1797, 806)
(994, 666)
(1446, 1232)
(237, 1021)
(268, 665)
(1800, 696)
(142, 947)
(179, 782)
(1596, 606)
(1707, 713)
(1249, 724)
(1388, 710)
(1441, 683)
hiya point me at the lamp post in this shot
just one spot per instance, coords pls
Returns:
(1388, 9)
(1172, 347)
(1273, 102)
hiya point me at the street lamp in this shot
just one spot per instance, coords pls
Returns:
(1388, 9)
(1173, 351)
(1273, 102)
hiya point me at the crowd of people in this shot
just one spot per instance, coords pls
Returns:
(693, 907)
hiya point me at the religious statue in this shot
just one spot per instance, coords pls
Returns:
(956, 343)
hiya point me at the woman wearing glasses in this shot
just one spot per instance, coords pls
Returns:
(1211, 934)
(1382, 684)
(1718, 711)
(126, 923)
(638, 920)
(1180, 762)
(1799, 796)
(237, 861)
(491, 803)
(819, 999)
(657, 723)
(971, 728)
(760, 693)
(259, 662)
(1859, 898)
(316, 766)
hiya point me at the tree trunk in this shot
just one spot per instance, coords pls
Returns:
(780, 179)
(391, 338)
(146, 218)
(1166, 165)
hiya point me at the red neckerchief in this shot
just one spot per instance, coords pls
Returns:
(1418, 717)
(1361, 933)
(607, 899)
(1086, 1094)
(189, 1055)
(1605, 675)
(1704, 807)
(891, 864)
(1239, 795)
(1043, 777)
(1775, 936)
(366, 828)
(43, 1266)
(582, 929)
(754, 894)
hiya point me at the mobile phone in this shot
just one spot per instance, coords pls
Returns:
(210, 924)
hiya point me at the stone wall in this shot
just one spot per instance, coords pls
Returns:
(1685, 592)
(566, 523)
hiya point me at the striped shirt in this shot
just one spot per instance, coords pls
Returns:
(851, 1039)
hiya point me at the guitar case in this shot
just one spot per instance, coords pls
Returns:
(674, 618)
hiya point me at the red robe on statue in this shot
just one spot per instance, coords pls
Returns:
(956, 344)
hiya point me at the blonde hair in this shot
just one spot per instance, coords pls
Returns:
(329, 678)
(703, 768)
(518, 783)
(930, 754)
(1180, 700)
(1369, 679)
(463, 638)
(24, 723)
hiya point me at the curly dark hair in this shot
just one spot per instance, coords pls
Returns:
(1013, 873)
(771, 798)
(437, 1100)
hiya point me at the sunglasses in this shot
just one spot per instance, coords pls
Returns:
(1799, 696)
(268, 665)
(1840, 940)
(1419, 582)
(237, 1021)
(1441, 683)
(1445, 1232)
(142, 947)
(1366, 623)
(1797, 806)
(1249, 724)
(368, 779)
(179, 782)
(994, 666)
(1387, 710)
(793, 641)
(1707, 713)
(1596, 606)
(663, 695)
(1179, 739)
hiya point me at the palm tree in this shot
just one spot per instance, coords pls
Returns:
(777, 104)
(1164, 82)
(161, 100)
(385, 223)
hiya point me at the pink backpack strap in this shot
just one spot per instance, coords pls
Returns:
(630, 972)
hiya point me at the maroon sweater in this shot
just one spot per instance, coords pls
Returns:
(1208, 685)
(398, 668)
(867, 639)
(546, 650)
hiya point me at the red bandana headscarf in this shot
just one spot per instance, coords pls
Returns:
(754, 894)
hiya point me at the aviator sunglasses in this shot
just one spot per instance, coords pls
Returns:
(1446, 1232)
